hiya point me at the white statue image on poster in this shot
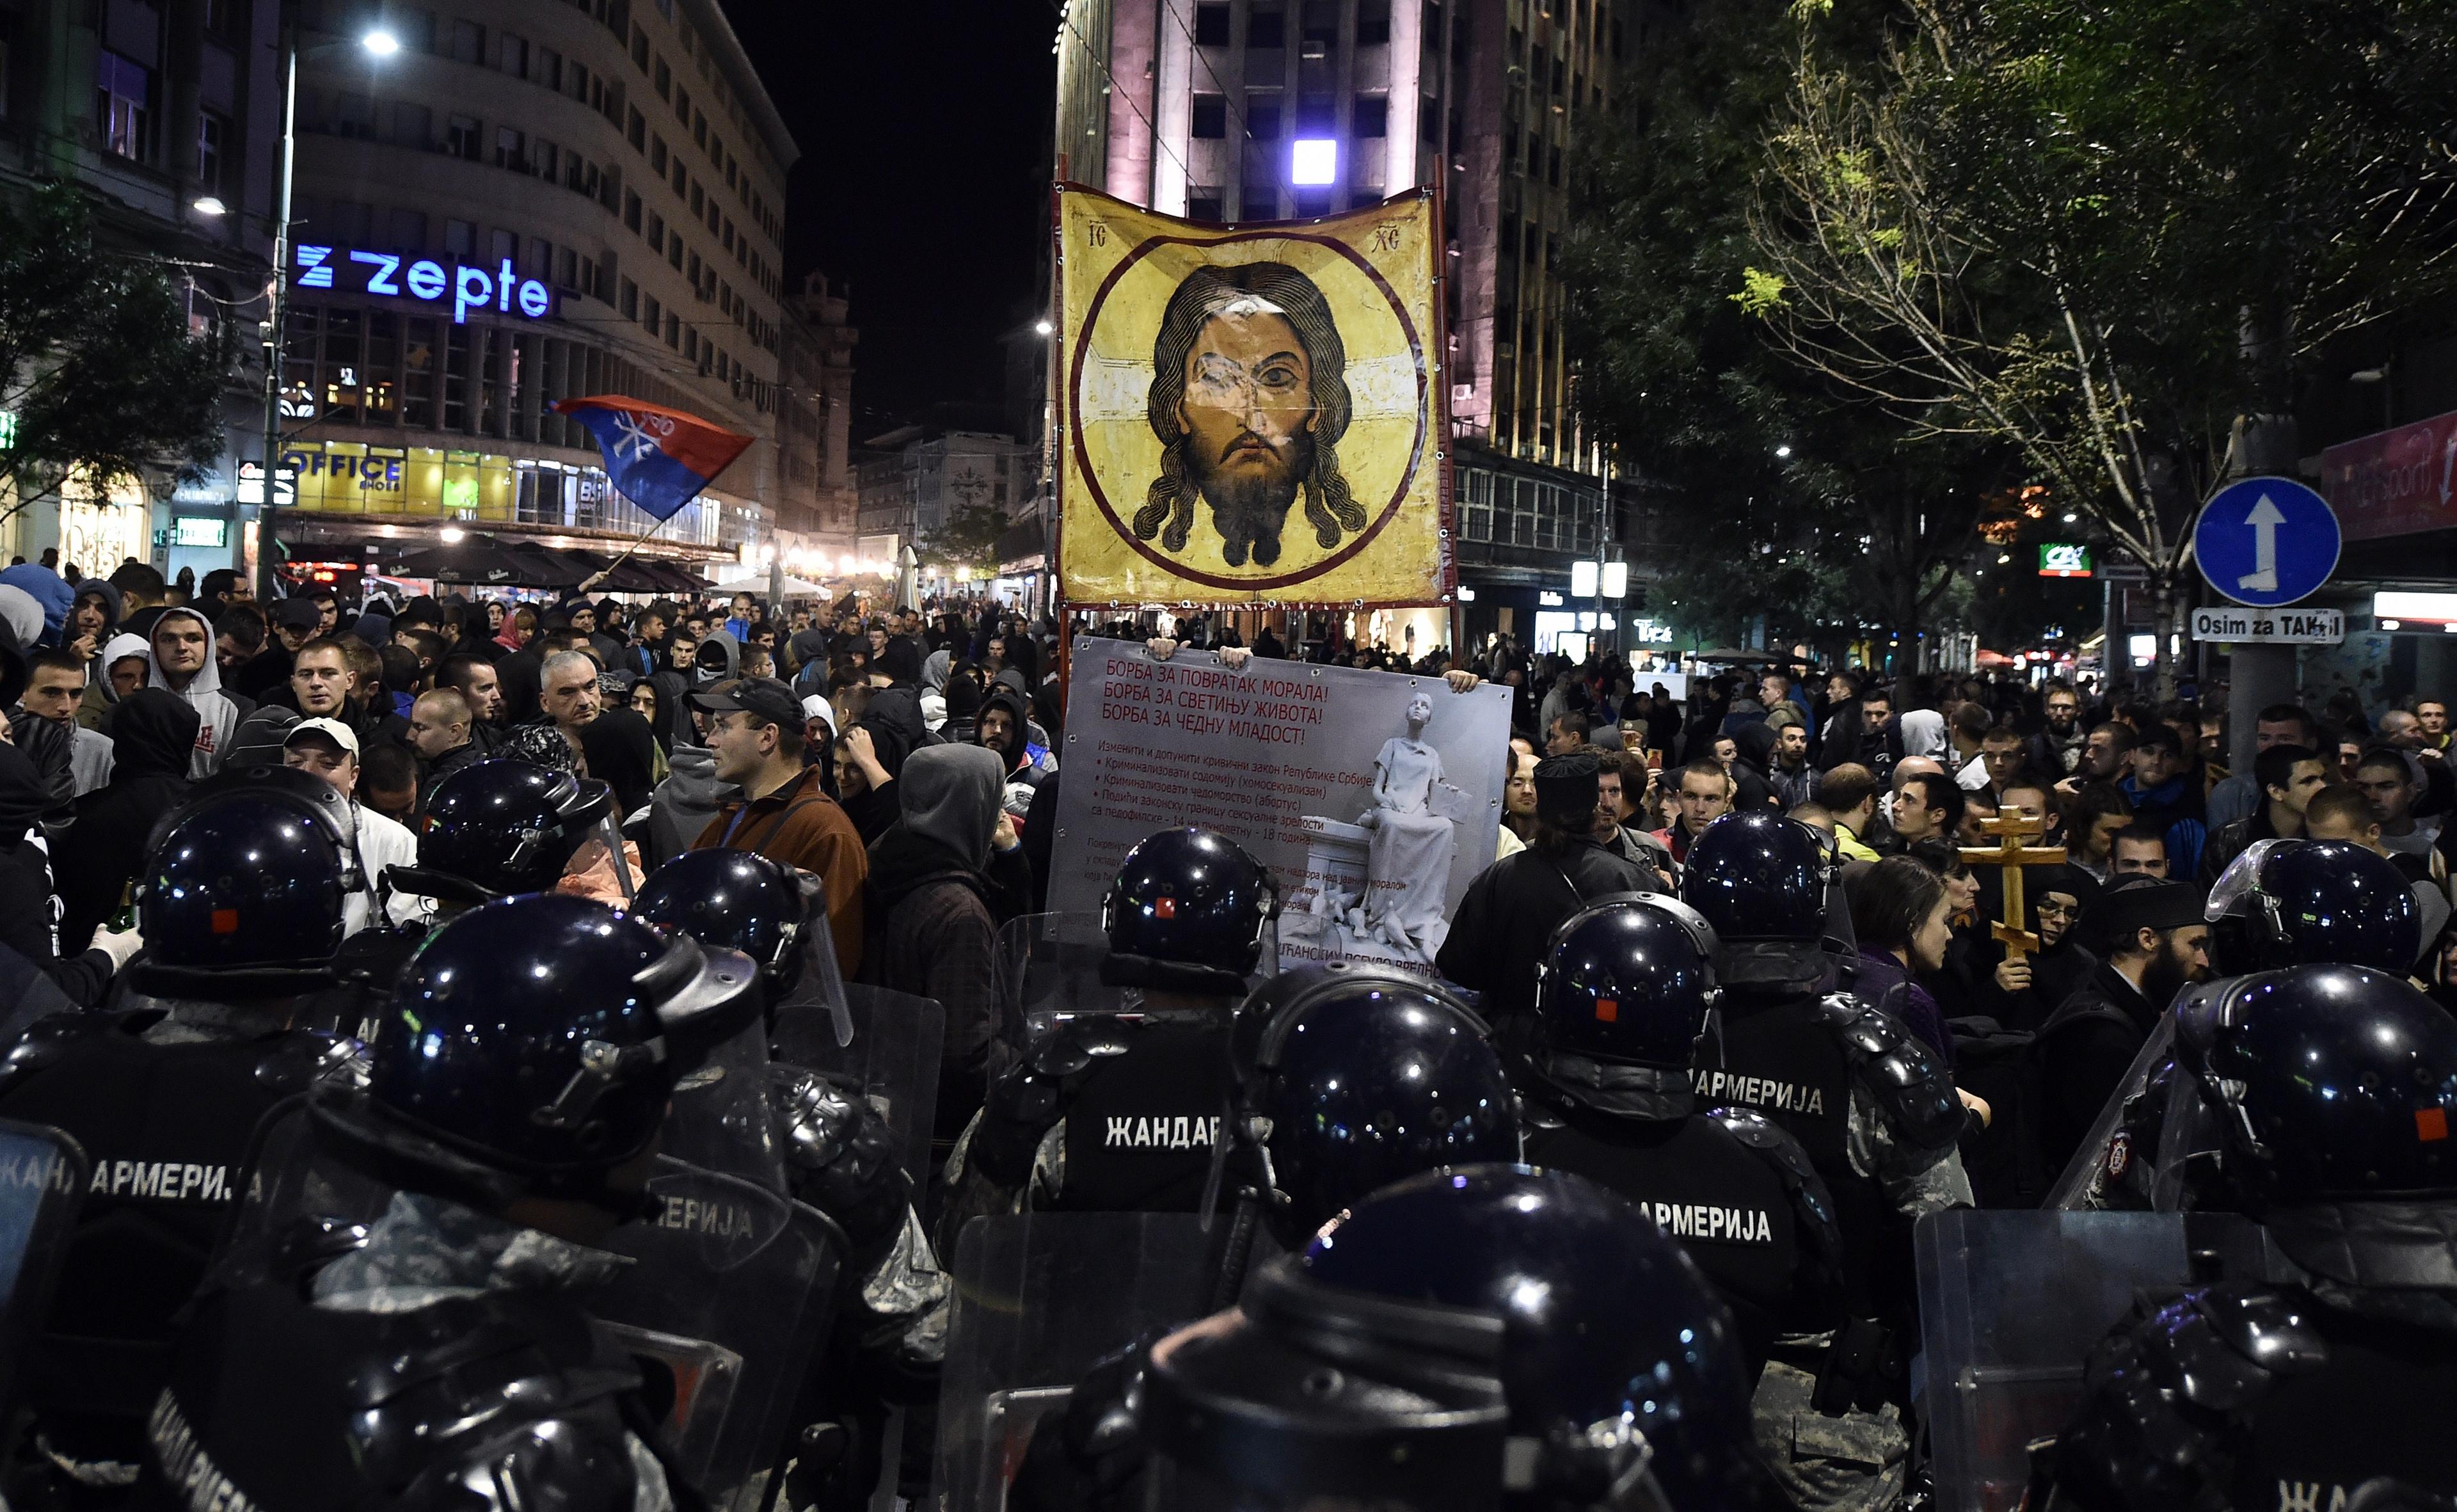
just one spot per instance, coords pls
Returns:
(1395, 907)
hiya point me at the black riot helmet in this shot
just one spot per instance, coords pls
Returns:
(1353, 1078)
(500, 827)
(1629, 981)
(735, 901)
(2297, 902)
(2325, 1083)
(1486, 1336)
(241, 890)
(1189, 911)
(1765, 885)
(530, 1046)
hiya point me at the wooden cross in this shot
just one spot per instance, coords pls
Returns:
(2010, 855)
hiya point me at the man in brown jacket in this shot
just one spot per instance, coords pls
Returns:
(754, 731)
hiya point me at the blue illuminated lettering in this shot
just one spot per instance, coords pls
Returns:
(471, 290)
(379, 281)
(391, 276)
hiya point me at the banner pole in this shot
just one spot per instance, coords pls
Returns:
(597, 577)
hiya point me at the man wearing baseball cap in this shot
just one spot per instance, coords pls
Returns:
(756, 732)
(293, 622)
(329, 748)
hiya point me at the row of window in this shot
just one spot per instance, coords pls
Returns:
(1261, 201)
(1525, 511)
(379, 369)
(1316, 115)
(1267, 24)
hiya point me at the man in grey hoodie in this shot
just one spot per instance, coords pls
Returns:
(180, 646)
(692, 792)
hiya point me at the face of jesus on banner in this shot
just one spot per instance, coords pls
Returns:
(1250, 400)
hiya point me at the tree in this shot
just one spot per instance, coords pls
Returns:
(96, 362)
(969, 539)
(1795, 498)
(2105, 237)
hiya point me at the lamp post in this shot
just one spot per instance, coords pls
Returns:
(381, 44)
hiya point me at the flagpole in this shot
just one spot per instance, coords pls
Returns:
(606, 572)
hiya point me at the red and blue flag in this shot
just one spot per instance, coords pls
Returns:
(658, 458)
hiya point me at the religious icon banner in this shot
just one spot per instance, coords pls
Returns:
(1252, 415)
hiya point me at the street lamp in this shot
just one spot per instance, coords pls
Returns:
(377, 44)
(210, 205)
(1043, 328)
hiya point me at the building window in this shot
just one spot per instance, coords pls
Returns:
(693, 274)
(674, 331)
(512, 54)
(456, 378)
(664, 78)
(1209, 118)
(460, 237)
(1263, 118)
(637, 129)
(213, 142)
(674, 251)
(505, 246)
(354, 116)
(1212, 25)
(567, 272)
(549, 70)
(1373, 24)
(1316, 116)
(1266, 27)
(1259, 204)
(629, 306)
(651, 315)
(1203, 203)
(1429, 119)
(657, 154)
(1321, 24)
(417, 375)
(511, 149)
(468, 42)
(690, 343)
(682, 105)
(541, 263)
(640, 50)
(408, 230)
(413, 126)
(656, 232)
(680, 177)
(460, 136)
(631, 209)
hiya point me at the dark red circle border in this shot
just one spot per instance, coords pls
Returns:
(1082, 457)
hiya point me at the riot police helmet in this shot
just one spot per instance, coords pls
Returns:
(1765, 884)
(531, 1048)
(1629, 982)
(1189, 911)
(2297, 902)
(500, 827)
(241, 890)
(735, 901)
(2320, 1084)
(1485, 1336)
(1353, 1078)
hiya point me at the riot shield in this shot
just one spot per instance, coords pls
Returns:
(732, 1288)
(1039, 1300)
(891, 1053)
(43, 1177)
(2010, 1305)
(721, 1118)
(27, 993)
(2112, 1166)
(1050, 961)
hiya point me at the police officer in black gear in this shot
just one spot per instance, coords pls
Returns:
(2319, 1369)
(1505, 922)
(1625, 1001)
(1350, 1079)
(737, 901)
(166, 1099)
(436, 1358)
(1114, 1108)
(1873, 1106)
(2292, 902)
(1471, 1339)
(500, 827)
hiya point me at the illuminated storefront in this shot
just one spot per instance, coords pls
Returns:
(474, 488)
(99, 529)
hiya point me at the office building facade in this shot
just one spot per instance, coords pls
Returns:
(530, 201)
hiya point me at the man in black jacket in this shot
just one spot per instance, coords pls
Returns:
(1505, 922)
(2153, 941)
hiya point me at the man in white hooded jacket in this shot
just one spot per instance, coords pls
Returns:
(181, 646)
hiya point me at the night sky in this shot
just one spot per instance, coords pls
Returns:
(924, 126)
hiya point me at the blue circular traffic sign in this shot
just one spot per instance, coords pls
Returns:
(2266, 541)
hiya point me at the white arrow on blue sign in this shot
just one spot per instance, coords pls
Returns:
(2266, 541)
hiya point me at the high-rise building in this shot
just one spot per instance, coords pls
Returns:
(168, 115)
(530, 201)
(814, 420)
(1270, 110)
